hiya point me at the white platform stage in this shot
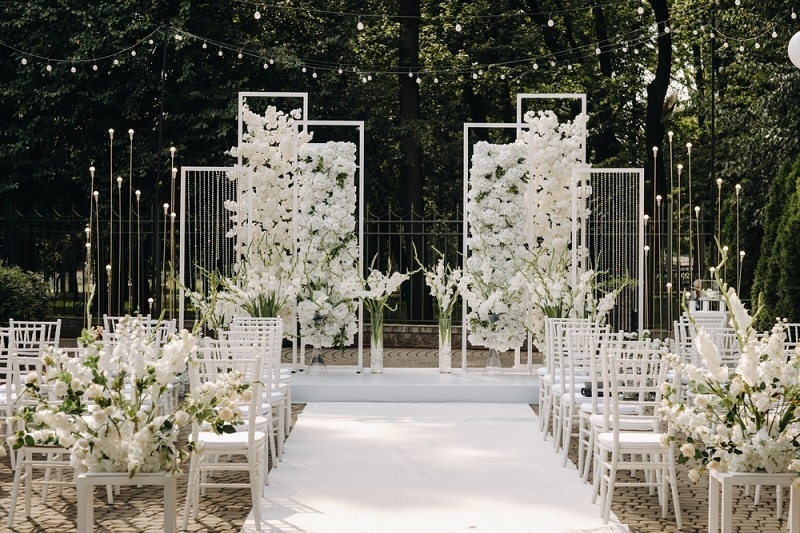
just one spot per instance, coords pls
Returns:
(414, 385)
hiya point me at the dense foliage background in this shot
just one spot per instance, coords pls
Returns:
(714, 73)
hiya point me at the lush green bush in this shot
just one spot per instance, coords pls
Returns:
(23, 295)
(777, 282)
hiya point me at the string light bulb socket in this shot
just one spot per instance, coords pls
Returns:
(360, 25)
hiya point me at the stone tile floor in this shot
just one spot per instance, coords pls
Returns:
(140, 509)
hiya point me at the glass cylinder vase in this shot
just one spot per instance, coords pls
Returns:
(493, 365)
(317, 365)
(376, 342)
(445, 334)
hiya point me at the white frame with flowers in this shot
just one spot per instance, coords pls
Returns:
(465, 229)
(359, 124)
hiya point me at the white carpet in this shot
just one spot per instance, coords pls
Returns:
(424, 467)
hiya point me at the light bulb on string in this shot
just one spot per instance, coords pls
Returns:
(94, 67)
(712, 35)
(73, 70)
(240, 55)
(480, 72)
(49, 68)
(774, 34)
(757, 45)
(640, 10)
(725, 44)
(435, 80)
(552, 64)
(474, 76)
(303, 70)
(597, 51)
(636, 51)
(133, 53)
(410, 74)
(24, 61)
(535, 66)
(458, 26)
(257, 15)
(205, 46)
(116, 62)
(419, 80)
(666, 29)
(364, 79)
(369, 77)
(738, 2)
(178, 37)
(502, 76)
(551, 22)
(360, 24)
(266, 65)
(624, 49)
(340, 70)
(314, 74)
(150, 42)
(741, 48)
(220, 52)
(271, 61)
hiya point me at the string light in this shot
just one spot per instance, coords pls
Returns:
(314, 74)
(220, 54)
(24, 61)
(73, 70)
(458, 26)
(360, 24)
(266, 65)
(49, 67)
(133, 53)
(257, 14)
(551, 22)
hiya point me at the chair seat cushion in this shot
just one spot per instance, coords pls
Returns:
(632, 440)
(227, 441)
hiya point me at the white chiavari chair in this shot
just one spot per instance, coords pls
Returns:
(213, 450)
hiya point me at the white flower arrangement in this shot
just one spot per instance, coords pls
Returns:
(376, 290)
(742, 419)
(328, 247)
(443, 281)
(108, 408)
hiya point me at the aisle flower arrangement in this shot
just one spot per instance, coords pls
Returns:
(741, 419)
(108, 408)
(328, 246)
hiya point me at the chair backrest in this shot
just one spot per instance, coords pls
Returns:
(792, 335)
(727, 343)
(555, 339)
(270, 329)
(216, 358)
(227, 349)
(563, 328)
(31, 335)
(634, 379)
(584, 349)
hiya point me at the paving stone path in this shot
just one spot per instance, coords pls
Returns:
(138, 510)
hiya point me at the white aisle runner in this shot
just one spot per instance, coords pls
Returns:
(424, 467)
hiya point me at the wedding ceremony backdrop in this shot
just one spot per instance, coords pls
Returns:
(683, 92)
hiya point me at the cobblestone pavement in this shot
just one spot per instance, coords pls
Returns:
(140, 509)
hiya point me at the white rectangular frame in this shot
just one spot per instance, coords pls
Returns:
(359, 124)
(465, 232)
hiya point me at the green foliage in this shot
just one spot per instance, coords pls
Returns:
(23, 295)
(776, 280)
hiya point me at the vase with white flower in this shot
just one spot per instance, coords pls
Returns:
(377, 288)
(742, 418)
(443, 283)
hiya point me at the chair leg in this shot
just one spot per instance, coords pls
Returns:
(609, 492)
(14, 493)
(673, 481)
(191, 490)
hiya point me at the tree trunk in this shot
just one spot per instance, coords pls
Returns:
(411, 179)
(656, 95)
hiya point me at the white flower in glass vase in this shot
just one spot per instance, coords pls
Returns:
(443, 282)
(376, 290)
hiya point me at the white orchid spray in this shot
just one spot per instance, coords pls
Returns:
(443, 281)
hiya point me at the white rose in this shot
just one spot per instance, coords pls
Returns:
(694, 475)
(60, 388)
(226, 414)
(31, 377)
(247, 395)
(182, 417)
(687, 449)
(94, 391)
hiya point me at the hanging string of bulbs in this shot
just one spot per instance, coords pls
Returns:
(636, 40)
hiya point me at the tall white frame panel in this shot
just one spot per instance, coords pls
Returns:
(580, 177)
(359, 124)
(465, 232)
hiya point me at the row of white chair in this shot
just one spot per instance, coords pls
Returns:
(611, 388)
